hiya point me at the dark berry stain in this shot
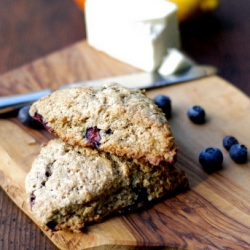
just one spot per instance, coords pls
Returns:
(40, 118)
(93, 136)
(51, 225)
(108, 131)
(142, 195)
(141, 201)
(48, 172)
(32, 200)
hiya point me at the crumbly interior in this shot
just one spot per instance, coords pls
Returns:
(71, 187)
(128, 123)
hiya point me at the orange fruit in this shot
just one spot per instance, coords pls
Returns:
(80, 4)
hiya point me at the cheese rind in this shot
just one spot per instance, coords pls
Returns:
(137, 32)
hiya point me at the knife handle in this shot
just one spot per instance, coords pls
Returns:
(10, 103)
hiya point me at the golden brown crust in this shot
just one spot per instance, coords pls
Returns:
(71, 187)
(127, 122)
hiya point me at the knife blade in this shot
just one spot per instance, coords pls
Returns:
(142, 80)
(149, 80)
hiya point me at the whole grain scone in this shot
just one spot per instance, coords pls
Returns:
(71, 187)
(111, 118)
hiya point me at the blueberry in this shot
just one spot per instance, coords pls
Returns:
(109, 131)
(140, 202)
(196, 114)
(52, 225)
(93, 136)
(238, 153)
(48, 172)
(27, 120)
(164, 102)
(228, 141)
(142, 196)
(32, 200)
(211, 159)
(42, 121)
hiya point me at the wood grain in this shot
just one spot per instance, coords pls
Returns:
(31, 29)
(213, 214)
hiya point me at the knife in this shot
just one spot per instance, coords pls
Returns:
(142, 80)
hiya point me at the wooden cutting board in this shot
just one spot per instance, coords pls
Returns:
(213, 214)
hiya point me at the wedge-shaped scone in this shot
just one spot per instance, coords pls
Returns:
(112, 118)
(69, 188)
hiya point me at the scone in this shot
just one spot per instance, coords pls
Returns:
(71, 187)
(112, 119)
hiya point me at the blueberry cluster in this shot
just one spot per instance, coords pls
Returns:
(210, 158)
(237, 151)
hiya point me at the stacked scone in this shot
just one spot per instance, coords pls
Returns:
(114, 153)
